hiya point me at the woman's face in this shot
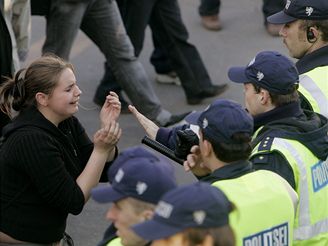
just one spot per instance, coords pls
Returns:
(63, 102)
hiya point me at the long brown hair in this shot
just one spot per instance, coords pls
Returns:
(41, 75)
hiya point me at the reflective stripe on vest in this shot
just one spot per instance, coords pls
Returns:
(115, 242)
(314, 87)
(311, 178)
(264, 213)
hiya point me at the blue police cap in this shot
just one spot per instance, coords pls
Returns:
(221, 120)
(269, 70)
(197, 205)
(139, 174)
(301, 9)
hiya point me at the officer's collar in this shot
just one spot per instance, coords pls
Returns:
(278, 113)
(229, 171)
(312, 60)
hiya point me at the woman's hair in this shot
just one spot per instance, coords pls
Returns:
(42, 75)
(239, 150)
(222, 236)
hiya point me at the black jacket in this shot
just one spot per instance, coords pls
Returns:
(231, 171)
(290, 122)
(39, 164)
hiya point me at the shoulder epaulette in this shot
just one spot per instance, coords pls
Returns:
(265, 144)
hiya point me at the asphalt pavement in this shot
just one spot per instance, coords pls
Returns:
(242, 37)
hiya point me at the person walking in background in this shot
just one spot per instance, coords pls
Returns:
(17, 14)
(305, 34)
(48, 165)
(210, 18)
(138, 179)
(102, 23)
(15, 28)
(6, 60)
(180, 219)
(165, 21)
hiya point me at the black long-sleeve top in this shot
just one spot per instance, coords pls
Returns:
(39, 164)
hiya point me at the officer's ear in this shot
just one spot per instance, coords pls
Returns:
(208, 149)
(264, 97)
(312, 34)
(147, 214)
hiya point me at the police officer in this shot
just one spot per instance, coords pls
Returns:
(138, 180)
(305, 34)
(264, 201)
(180, 219)
(287, 140)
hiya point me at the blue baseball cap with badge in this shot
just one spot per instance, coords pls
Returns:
(221, 120)
(139, 174)
(269, 70)
(178, 210)
(301, 9)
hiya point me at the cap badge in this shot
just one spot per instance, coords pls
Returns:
(119, 175)
(205, 123)
(141, 187)
(259, 76)
(308, 11)
(287, 4)
(199, 216)
(164, 209)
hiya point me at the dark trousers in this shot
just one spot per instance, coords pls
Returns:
(101, 22)
(209, 7)
(164, 18)
(159, 58)
(212, 7)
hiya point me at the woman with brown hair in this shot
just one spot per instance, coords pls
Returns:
(48, 165)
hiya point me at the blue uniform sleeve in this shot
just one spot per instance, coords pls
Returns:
(167, 136)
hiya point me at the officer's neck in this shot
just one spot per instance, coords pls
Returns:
(316, 45)
(213, 163)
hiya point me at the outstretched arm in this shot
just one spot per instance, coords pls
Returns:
(150, 127)
(105, 141)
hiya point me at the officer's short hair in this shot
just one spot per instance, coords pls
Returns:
(240, 149)
(280, 100)
(140, 206)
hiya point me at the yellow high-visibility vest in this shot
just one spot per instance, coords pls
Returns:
(311, 179)
(314, 87)
(265, 211)
(115, 242)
